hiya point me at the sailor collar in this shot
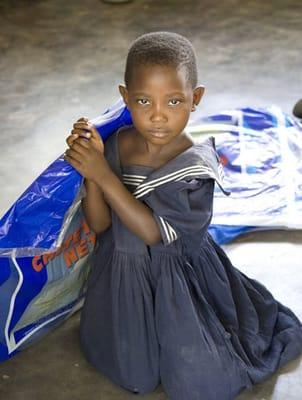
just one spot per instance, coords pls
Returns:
(200, 161)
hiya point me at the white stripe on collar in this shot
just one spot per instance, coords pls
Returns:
(130, 183)
(171, 176)
(134, 180)
(177, 175)
(135, 176)
(142, 189)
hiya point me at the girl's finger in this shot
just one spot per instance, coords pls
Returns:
(95, 134)
(75, 155)
(70, 139)
(92, 132)
(82, 125)
(97, 140)
(86, 128)
(79, 132)
(76, 164)
(83, 119)
(81, 146)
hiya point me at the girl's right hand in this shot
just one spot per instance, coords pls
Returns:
(83, 129)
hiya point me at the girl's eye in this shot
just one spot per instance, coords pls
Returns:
(175, 102)
(142, 101)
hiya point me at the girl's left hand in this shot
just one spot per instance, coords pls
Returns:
(87, 159)
(85, 128)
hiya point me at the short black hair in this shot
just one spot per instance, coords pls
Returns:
(162, 48)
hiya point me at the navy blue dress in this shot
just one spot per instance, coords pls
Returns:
(179, 313)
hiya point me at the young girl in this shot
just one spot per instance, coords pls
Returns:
(164, 303)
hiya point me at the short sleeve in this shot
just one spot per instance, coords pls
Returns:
(110, 149)
(182, 207)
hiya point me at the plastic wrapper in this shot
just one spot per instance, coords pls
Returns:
(46, 249)
(38, 220)
(261, 151)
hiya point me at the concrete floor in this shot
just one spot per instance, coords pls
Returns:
(63, 60)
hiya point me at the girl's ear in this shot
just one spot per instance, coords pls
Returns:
(124, 93)
(197, 95)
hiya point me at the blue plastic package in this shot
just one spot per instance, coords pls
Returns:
(46, 248)
(261, 151)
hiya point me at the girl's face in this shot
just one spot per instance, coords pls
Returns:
(160, 101)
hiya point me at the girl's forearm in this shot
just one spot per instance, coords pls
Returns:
(135, 215)
(96, 211)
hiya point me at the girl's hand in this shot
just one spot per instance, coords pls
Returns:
(87, 160)
(83, 128)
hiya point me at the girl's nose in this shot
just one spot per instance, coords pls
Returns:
(158, 113)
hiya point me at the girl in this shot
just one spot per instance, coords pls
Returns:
(164, 303)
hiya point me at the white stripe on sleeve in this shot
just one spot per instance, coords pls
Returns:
(170, 233)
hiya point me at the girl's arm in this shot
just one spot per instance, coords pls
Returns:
(135, 215)
(96, 211)
(88, 158)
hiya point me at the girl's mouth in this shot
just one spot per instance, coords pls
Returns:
(159, 134)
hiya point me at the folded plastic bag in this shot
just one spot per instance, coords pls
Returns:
(261, 150)
(37, 293)
(46, 249)
(38, 220)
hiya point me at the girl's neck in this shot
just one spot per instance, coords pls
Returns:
(134, 149)
(151, 150)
